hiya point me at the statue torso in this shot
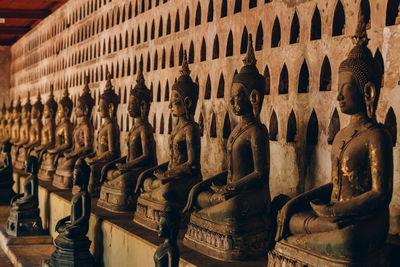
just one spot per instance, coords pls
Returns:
(83, 132)
(63, 133)
(77, 205)
(24, 132)
(110, 127)
(15, 131)
(48, 132)
(35, 131)
(135, 142)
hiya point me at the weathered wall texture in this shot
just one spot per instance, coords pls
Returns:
(90, 37)
(5, 61)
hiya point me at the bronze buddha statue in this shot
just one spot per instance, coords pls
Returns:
(63, 138)
(346, 220)
(82, 140)
(166, 186)
(120, 175)
(15, 129)
(47, 134)
(72, 244)
(35, 130)
(107, 144)
(8, 123)
(24, 216)
(6, 175)
(231, 217)
(24, 133)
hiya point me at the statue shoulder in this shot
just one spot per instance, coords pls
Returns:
(379, 134)
(192, 127)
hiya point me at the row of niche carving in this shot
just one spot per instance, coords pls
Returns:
(312, 127)
(337, 26)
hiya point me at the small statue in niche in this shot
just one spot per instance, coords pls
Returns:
(3, 121)
(63, 138)
(35, 130)
(24, 216)
(107, 144)
(8, 124)
(166, 187)
(24, 133)
(15, 129)
(167, 254)
(234, 206)
(347, 219)
(47, 134)
(6, 172)
(82, 140)
(120, 176)
(72, 244)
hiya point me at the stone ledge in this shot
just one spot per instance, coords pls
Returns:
(116, 239)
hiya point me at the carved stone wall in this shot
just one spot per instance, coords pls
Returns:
(299, 46)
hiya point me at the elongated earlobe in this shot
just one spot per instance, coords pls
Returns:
(369, 98)
(255, 102)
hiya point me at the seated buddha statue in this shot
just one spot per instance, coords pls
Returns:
(72, 245)
(8, 123)
(63, 138)
(34, 135)
(120, 175)
(3, 121)
(107, 144)
(47, 139)
(15, 129)
(6, 171)
(24, 216)
(82, 140)
(347, 219)
(24, 132)
(166, 186)
(231, 218)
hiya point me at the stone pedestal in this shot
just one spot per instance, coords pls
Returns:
(229, 241)
(45, 173)
(24, 222)
(287, 255)
(116, 200)
(62, 180)
(148, 213)
(71, 253)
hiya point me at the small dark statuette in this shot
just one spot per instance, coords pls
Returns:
(166, 187)
(72, 244)
(120, 175)
(346, 220)
(63, 139)
(82, 140)
(24, 135)
(6, 173)
(167, 254)
(107, 144)
(24, 219)
(231, 217)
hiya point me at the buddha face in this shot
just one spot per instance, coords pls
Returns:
(61, 112)
(133, 106)
(47, 112)
(162, 228)
(239, 100)
(176, 105)
(350, 98)
(103, 110)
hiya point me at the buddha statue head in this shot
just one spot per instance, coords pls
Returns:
(85, 101)
(168, 226)
(358, 80)
(50, 107)
(64, 108)
(248, 86)
(37, 109)
(9, 113)
(109, 100)
(16, 114)
(27, 108)
(81, 174)
(31, 165)
(140, 97)
(185, 94)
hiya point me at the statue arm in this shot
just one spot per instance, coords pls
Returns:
(147, 173)
(143, 159)
(88, 147)
(86, 202)
(296, 204)
(381, 168)
(109, 166)
(111, 145)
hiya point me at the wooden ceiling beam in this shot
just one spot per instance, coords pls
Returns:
(24, 13)
(14, 30)
(7, 41)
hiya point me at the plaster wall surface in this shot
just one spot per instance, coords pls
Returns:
(90, 37)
